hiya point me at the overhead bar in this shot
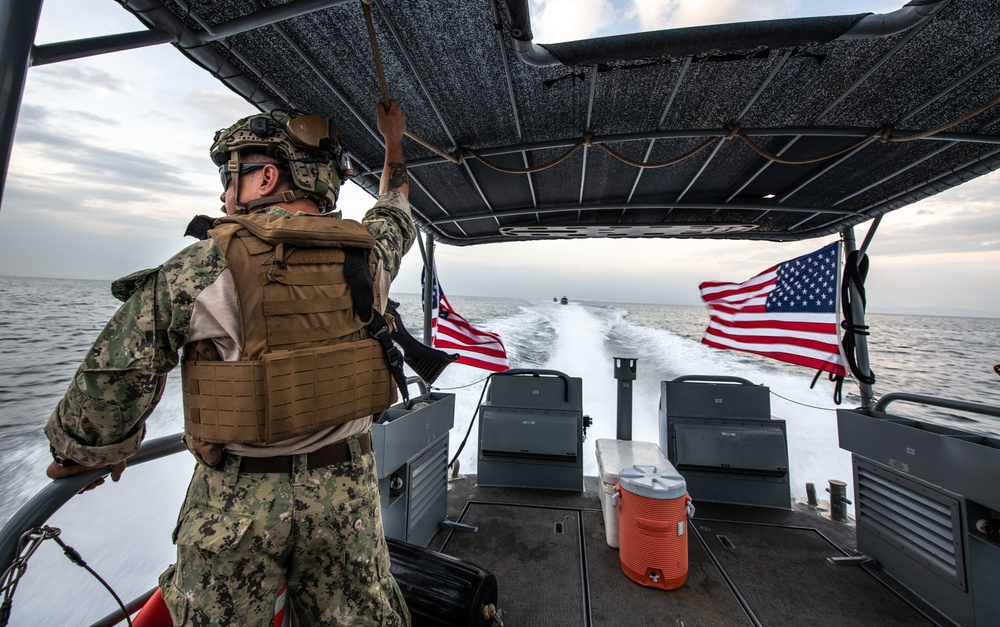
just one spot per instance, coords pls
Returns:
(266, 17)
(894, 22)
(586, 149)
(414, 70)
(908, 167)
(948, 89)
(502, 51)
(153, 14)
(92, 46)
(679, 42)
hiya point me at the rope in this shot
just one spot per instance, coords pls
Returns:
(384, 85)
(855, 273)
(26, 546)
(537, 168)
(659, 164)
(801, 403)
(460, 387)
(75, 557)
(472, 421)
(366, 7)
(429, 146)
(947, 125)
(738, 132)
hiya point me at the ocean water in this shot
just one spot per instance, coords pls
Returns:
(123, 530)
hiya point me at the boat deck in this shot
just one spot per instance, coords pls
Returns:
(747, 565)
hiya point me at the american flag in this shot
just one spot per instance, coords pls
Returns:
(787, 312)
(451, 333)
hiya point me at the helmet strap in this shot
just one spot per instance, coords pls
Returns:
(288, 195)
(242, 208)
(234, 174)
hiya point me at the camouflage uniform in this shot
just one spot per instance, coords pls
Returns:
(236, 532)
(237, 535)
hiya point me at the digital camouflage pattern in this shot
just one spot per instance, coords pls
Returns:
(239, 536)
(101, 418)
(393, 234)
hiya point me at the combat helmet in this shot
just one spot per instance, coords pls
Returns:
(305, 145)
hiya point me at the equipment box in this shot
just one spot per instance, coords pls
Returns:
(719, 434)
(401, 434)
(411, 458)
(531, 431)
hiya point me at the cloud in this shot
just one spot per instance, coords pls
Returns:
(67, 77)
(661, 14)
(554, 21)
(71, 143)
(961, 220)
(83, 247)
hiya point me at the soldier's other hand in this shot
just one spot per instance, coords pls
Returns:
(55, 471)
(391, 123)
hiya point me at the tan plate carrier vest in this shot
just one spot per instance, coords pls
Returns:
(307, 363)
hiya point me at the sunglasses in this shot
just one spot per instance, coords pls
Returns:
(227, 177)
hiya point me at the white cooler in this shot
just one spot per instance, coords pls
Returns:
(612, 456)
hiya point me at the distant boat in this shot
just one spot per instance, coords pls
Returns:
(564, 301)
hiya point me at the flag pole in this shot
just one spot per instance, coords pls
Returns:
(858, 311)
(429, 277)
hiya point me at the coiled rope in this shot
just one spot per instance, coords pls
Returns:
(732, 131)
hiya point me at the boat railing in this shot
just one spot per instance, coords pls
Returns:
(36, 512)
(944, 403)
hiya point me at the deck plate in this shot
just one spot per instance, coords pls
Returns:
(772, 565)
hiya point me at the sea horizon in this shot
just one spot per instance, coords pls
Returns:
(943, 312)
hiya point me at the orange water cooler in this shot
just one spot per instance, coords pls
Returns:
(653, 507)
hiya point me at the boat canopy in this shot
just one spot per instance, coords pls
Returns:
(773, 130)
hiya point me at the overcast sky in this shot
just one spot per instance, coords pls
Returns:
(110, 162)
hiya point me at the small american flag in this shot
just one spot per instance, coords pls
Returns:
(787, 312)
(451, 333)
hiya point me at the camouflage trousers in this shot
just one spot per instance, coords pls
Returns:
(239, 536)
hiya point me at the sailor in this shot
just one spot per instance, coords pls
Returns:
(275, 314)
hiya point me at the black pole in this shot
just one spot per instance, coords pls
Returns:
(625, 374)
(429, 276)
(18, 23)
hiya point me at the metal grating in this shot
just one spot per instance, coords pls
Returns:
(428, 493)
(921, 523)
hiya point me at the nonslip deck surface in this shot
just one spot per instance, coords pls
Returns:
(554, 567)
